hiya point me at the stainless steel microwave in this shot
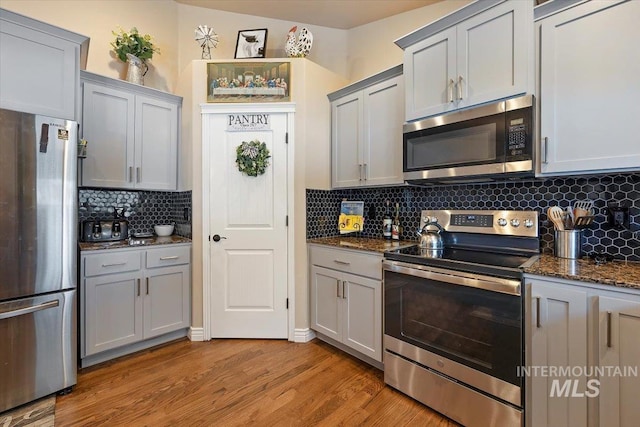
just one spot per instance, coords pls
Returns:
(485, 143)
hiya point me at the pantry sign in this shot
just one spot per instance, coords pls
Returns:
(248, 122)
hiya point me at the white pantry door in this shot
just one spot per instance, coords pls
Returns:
(249, 261)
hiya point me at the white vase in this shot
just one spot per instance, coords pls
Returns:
(136, 69)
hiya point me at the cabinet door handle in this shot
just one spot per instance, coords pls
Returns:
(164, 258)
(459, 88)
(360, 172)
(130, 173)
(450, 89)
(338, 289)
(608, 329)
(545, 149)
(344, 295)
(341, 262)
(114, 264)
(138, 287)
(147, 286)
(538, 323)
(365, 171)
(138, 174)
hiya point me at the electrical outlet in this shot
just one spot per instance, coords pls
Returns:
(618, 217)
(185, 214)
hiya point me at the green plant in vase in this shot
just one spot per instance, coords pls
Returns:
(135, 49)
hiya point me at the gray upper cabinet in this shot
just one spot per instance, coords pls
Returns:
(366, 131)
(588, 86)
(40, 66)
(480, 53)
(132, 135)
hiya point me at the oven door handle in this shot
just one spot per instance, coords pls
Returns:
(495, 284)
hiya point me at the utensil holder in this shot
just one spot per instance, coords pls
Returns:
(568, 244)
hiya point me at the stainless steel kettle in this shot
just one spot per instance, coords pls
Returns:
(431, 239)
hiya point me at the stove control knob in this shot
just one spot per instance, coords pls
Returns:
(528, 223)
(502, 222)
(515, 222)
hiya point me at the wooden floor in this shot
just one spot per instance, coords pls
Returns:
(239, 382)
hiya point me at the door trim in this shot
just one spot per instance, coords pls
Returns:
(280, 107)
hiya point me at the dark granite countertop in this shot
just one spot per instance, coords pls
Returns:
(362, 243)
(622, 274)
(133, 243)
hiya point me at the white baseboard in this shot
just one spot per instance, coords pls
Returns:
(303, 335)
(196, 334)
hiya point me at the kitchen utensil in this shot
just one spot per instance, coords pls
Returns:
(569, 219)
(431, 239)
(555, 214)
(582, 208)
(163, 230)
(583, 221)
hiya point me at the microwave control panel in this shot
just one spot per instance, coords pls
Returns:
(517, 141)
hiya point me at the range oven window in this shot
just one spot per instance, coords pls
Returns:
(478, 328)
(472, 142)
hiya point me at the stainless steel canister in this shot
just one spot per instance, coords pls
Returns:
(568, 244)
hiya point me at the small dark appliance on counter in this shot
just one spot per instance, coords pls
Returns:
(109, 230)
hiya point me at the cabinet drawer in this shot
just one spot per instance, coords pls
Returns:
(168, 256)
(368, 265)
(118, 262)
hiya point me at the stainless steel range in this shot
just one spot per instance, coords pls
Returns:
(453, 318)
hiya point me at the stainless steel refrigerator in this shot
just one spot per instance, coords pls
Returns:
(38, 210)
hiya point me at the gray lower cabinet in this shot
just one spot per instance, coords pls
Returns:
(113, 312)
(346, 306)
(572, 324)
(130, 296)
(556, 330)
(618, 344)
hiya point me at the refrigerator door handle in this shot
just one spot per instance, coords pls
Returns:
(27, 310)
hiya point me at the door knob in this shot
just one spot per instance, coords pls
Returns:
(217, 237)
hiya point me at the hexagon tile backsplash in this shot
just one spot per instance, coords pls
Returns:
(143, 209)
(323, 207)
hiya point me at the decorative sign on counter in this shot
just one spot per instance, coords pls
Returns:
(351, 218)
(248, 122)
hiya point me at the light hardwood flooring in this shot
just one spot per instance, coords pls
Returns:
(239, 383)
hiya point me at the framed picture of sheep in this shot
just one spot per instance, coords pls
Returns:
(251, 43)
(253, 81)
